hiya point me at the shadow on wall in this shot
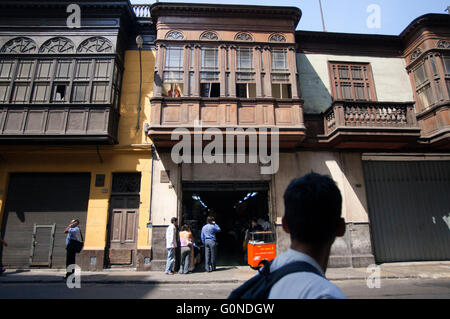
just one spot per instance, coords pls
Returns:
(314, 92)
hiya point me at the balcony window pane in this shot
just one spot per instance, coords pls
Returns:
(82, 71)
(346, 91)
(44, 69)
(24, 70)
(244, 76)
(102, 69)
(251, 90)
(41, 92)
(4, 92)
(210, 59)
(63, 70)
(420, 75)
(245, 59)
(209, 76)
(425, 95)
(286, 91)
(210, 89)
(20, 92)
(360, 91)
(170, 76)
(80, 93)
(343, 72)
(433, 65)
(276, 91)
(357, 73)
(6, 68)
(279, 60)
(100, 93)
(246, 90)
(281, 91)
(174, 58)
(60, 92)
(446, 61)
(280, 77)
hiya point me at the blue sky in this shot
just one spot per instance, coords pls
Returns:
(349, 15)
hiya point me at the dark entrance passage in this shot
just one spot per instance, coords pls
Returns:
(233, 205)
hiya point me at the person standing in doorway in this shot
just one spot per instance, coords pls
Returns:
(186, 245)
(171, 245)
(208, 237)
(73, 233)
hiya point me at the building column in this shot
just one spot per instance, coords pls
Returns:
(293, 71)
(222, 69)
(187, 66)
(159, 68)
(197, 64)
(232, 83)
(258, 69)
(267, 57)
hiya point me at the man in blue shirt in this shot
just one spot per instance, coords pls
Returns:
(208, 236)
(72, 231)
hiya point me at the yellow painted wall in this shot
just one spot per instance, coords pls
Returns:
(132, 154)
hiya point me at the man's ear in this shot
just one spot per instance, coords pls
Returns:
(285, 225)
(340, 231)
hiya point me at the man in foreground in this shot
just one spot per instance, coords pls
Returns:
(313, 220)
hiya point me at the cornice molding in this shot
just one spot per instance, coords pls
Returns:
(222, 10)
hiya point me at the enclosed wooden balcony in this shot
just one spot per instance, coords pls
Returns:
(53, 124)
(435, 125)
(368, 124)
(250, 115)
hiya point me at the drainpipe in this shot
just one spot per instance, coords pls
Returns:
(149, 224)
(139, 43)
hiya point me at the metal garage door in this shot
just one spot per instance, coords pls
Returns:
(409, 209)
(38, 208)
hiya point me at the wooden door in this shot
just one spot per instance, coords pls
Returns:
(123, 230)
(42, 245)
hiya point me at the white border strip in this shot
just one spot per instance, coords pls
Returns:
(405, 157)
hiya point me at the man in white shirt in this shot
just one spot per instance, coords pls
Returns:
(313, 219)
(171, 245)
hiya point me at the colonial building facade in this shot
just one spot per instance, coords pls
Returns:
(92, 118)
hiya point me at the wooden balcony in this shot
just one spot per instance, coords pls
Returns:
(367, 124)
(168, 114)
(435, 125)
(53, 124)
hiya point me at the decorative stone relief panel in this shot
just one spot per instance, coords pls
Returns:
(19, 45)
(57, 45)
(243, 37)
(174, 35)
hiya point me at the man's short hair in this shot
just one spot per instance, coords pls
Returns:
(173, 220)
(313, 206)
(209, 219)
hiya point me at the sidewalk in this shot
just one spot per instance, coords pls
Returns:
(416, 270)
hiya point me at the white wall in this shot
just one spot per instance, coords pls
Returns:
(344, 167)
(392, 83)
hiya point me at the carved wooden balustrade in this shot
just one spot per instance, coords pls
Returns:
(388, 115)
(352, 123)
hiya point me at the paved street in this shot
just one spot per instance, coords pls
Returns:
(390, 288)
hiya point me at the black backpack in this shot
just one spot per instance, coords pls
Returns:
(260, 285)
